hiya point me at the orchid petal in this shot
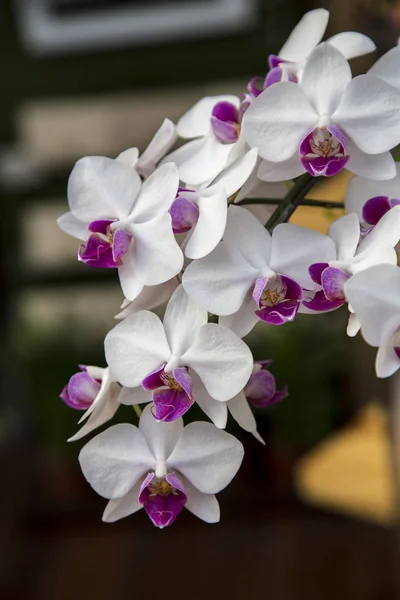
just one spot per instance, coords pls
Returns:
(220, 281)
(209, 159)
(235, 176)
(183, 318)
(277, 121)
(105, 407)
(369, 113)
(161, 437)
(113, 461)
(123, 507)
(305, 36)
(221, 359)
(377, 167)
(242, 413)
(360, 190)
(151, 297)
(203, 506)
(132, 396)
(102, 188)
(208, 457)
(345, 232)
(352, 44)
(387, 362)
(157, 194)
(129, 157)
(210, 225)
(387, 67)
(242, 321)
(295, 248)
(246, 234)
(196, 121)
(161, 143)
(374, 295)
(215, 410)
(282, 171)
(136, 347)
(73, 226)
(325, 77)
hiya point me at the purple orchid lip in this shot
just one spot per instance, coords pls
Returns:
(374, 208)
(323, 152)
(397, 351)
(225, 122)
(104, 248)
(278, 299)
(316, 271)
(332, 281)
(81, 391)
(184, 214)
(261, 390)
(162, 498)
(320, 303)
(172, 393)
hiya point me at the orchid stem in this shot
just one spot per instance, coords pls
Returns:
(317, 203)
(291, 201)
(137, 410)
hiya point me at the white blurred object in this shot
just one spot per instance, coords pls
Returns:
(63, 26)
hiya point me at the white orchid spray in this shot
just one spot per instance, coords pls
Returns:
(203, 229)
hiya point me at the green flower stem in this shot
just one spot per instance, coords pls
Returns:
(291, 201)
(318, 203)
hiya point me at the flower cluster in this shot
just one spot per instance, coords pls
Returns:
(203, 227)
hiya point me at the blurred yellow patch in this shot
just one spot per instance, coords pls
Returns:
(351, 472)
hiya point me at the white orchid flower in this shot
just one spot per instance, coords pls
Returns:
(327, 122)
(213, 125)
(161, 467)
(141, 350)
(124, 223)
(252, 275)
(288, 64)
(375, 296)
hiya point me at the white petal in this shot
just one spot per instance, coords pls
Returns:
(242, 321)
(131, 396)
(210, 225)
(246, 234)
(196, 121)
(183, 318)
(360, 190)
(353, 325)
(206, 163)
(203, 506)
(161, 437)
(103, 412)
(369, 113)
(161, 143)
(305, 36)
(295, 248)
(151, 297)
(221, 359)
(352, 44)
(242, 413)
(376, 167)
(235, 176)
(129, 157)
(102, 188)
(387, 361)
(374, 295)
(73, 226)
(113, 461)
(157, 194)
(345, 232)
(220, 281)
(136, 347)
(131, 274)
(157, 254)
(215, 410)
(325, 77)
(123, 507)
(386, 231)
(282, 171)
(208, 457)
(387, 67)
(277, 121)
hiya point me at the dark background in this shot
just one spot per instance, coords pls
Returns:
(55, 314)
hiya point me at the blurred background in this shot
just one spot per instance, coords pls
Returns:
(314, 514)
